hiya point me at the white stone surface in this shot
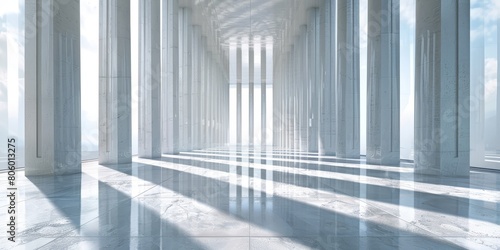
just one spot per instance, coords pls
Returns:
(52, 85)
(149, 79)
(170, 77)
(442, 87)
(348, 138)
(114, 82)
(200, 201)
(382, 134)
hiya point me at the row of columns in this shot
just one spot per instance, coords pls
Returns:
(253, 78)
(442, 88)
(183, 91)
(318, 110)
(194, 101)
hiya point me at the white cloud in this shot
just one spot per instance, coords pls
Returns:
(488, 10)
(407, 12)
(9, 7)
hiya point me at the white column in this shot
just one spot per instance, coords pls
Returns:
(348, 141)
(250, 94)
(149, 79)
(204, 89)
(188, 90)
(294, 91)
(52, 97)
(290, 98)
(263, 87)
(304, 97)
(170, 77)
(114, 82)
(185, 80)
(238, 95)
(210, 99)
(327, 123)
(313, 58)
(196, 87)
(498, 87)
(442, 87)
(383, 83)
(477, 94)
(277, 133)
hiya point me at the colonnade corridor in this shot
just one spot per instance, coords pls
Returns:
(250, 124)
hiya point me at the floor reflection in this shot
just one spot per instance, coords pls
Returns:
(250, 199)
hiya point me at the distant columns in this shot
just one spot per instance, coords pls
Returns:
(442, 87)
(170, 77)
(238, 96)
(52, 98)
(303, 96)
(327, 125)
(314, 69)
(115, 143)
(348, 138)
(149, 79)
(383, 83)
(251, 96)
(196, 89)
(477, 95)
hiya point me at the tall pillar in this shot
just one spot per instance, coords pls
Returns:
(115, 137)
(203, 97)
(498, 88)
(188, 118)
(314, 78)
(327, 123)
(250, 95)
(149, 79)
(185, 35)
(170, 77)
(210, 99)
(383, 83)
(263, 89)
(304, 98)
(52, 78)
(196, 87)
(297, 70)
(348, 140)
(477, 94)
(238, 95)
(277, 116)
(442, 87)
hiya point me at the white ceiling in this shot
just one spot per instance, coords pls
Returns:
(279, 19)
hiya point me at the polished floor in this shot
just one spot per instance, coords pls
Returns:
(250, 199)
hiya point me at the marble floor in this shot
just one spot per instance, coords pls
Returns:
(250, 199)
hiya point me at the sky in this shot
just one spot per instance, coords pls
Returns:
(484, 16)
